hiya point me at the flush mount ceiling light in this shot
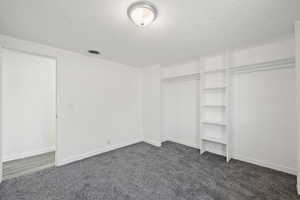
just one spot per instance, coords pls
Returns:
(142, 13)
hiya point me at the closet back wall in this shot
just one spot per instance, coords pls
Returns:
(180, 111)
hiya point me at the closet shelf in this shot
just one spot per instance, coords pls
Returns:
(215, 123)
(215, 140)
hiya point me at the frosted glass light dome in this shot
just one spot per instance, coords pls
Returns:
(142, 13)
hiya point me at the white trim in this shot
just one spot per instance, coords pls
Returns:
(298, 189)
(153, 142)
(28, 154)
(185, 77)
(264, 66)
(1, 142)
(266, 164)
(95, 152)
(184, 143)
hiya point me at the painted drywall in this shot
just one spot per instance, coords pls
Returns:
(180, 70)
(272, 143)
(263, 53)
(98, 103)
(28, 104)
(151, 103)
(297, 36)
(97, 106)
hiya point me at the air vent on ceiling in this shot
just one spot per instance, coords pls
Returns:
(95, 52)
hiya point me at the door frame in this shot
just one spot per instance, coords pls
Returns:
(1, 165)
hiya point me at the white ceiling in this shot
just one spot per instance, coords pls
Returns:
(184, 29)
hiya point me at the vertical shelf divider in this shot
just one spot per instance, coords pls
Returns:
(228, 102)
(201, 105)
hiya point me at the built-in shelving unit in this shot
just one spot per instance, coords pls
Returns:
(213, 87)
(214, 120)
(213, 109)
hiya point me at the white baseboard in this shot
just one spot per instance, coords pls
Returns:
(267, 165)
(95, 152)
(184, 143)
(28, 154)
(153, 142)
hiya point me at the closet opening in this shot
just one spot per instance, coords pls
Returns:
(195, 109)
(180, 110)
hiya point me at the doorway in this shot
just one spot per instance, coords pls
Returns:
(28, 112)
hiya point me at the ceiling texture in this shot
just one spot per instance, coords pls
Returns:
(184, 29)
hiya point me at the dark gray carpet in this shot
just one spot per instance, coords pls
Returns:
(142, 171)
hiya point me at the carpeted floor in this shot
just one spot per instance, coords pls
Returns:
(142, 171)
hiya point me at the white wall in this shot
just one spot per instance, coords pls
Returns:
(263, 104)
(151, 98)
(181, 69)
(97, 102)
(297, 34)
(28, 105)
(98, 106)
(263, 53)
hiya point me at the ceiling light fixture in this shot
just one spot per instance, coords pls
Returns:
(142, 13)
